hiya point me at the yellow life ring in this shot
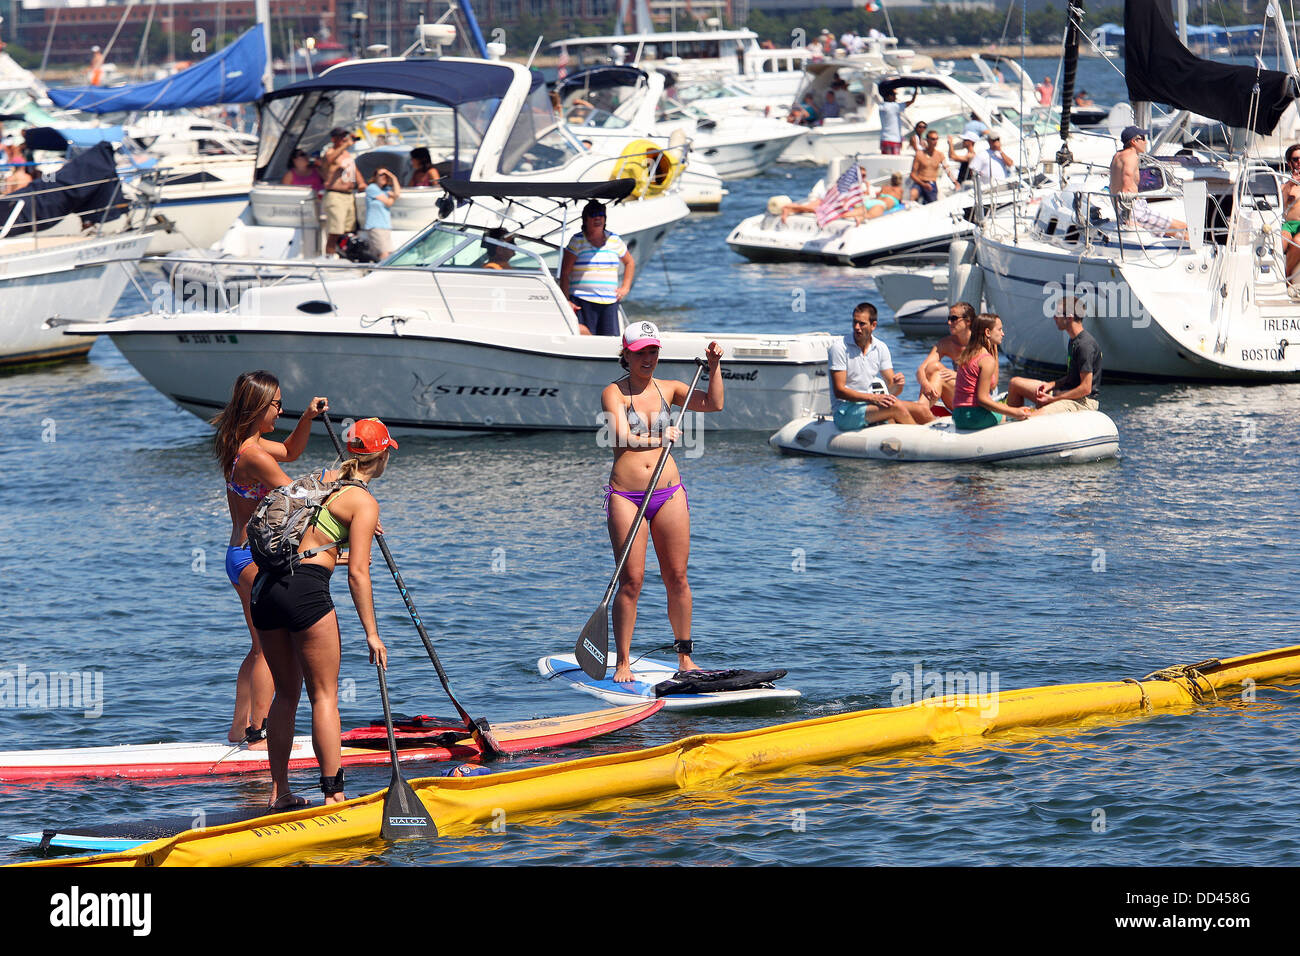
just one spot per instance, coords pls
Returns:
(380, 128)
(654, 169)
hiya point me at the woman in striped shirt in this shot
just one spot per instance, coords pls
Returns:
(589, 273)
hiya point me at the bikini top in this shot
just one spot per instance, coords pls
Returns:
(253, 492)
(638, 426)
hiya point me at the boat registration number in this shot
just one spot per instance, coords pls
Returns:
(204, 338)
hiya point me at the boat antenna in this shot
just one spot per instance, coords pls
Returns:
(1070, 62)
(531, 56)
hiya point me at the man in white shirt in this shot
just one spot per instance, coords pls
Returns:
(992, 166)
(856, 362)
(891, 123)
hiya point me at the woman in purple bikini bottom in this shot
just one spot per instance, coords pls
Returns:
(638, 417)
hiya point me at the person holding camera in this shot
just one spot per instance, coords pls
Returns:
(342, 181)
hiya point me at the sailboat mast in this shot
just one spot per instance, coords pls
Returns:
(262, 11)
(1070, 66)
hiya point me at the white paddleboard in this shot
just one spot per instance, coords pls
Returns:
(563, 668)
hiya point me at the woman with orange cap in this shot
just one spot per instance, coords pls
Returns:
(300, 629)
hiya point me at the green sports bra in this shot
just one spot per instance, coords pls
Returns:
(329, 525)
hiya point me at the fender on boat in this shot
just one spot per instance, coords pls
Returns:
(1063, 438)
(458, 803)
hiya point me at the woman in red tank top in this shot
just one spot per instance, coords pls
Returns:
(977, 379)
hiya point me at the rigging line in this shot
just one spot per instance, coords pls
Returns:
(126, 12)
(144, 37)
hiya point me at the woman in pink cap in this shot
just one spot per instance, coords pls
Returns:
(637, 414)
(298, 624)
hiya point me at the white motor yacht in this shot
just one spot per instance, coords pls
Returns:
(608, 105)
(480, 120)
(432, 341)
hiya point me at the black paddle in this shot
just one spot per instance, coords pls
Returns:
(480, 729)
(592, 649)
(405, 817)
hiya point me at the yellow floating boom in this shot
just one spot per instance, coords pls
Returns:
(464, 802)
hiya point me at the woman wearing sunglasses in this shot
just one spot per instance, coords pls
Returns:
(251, 466)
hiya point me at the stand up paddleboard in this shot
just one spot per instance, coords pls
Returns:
(649, 674)
(424, 738)
(118, 837)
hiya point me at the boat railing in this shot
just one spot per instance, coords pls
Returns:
(218, 280)
(134, 207)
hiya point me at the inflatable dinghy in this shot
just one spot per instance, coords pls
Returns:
(1063, 438)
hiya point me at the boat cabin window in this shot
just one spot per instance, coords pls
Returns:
(536, 142)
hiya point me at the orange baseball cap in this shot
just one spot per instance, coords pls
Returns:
(369, 436)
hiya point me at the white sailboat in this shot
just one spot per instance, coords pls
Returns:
(1212, 307)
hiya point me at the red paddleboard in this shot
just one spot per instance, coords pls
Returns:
(433, 739)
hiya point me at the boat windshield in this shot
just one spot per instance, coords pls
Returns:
(536, 141)
(442, 245)
(452, 135)
(609, 107)
(1040, 121)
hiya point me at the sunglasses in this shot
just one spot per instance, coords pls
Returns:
(956, 318)
(279, 405)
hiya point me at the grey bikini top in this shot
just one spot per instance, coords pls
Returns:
(637, 426)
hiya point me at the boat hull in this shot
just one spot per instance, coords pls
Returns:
(444, 382)
(1154, 330)
(80, 279)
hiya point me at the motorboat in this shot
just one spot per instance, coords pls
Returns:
(64, 243)
(433, 341)
(911, 227)
(915, 287)
(611, 111)
(480, 120)
(610, 105)
(1067, 438)
(693, 55)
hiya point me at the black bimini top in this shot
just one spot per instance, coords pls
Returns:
(611, 189)
(910, 81)
(600, 78)
(449, 82)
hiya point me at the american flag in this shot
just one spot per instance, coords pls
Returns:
(562, 64)
(847, 192)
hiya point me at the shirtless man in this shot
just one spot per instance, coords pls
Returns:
(925, 170)
(1133, 209)
(1291, 218)
(342, 181)
(937, 380)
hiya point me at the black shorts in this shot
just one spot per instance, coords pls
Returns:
(292, 602)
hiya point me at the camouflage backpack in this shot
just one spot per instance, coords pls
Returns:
(282, 518)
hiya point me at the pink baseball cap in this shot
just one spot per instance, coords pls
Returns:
(640, 334)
